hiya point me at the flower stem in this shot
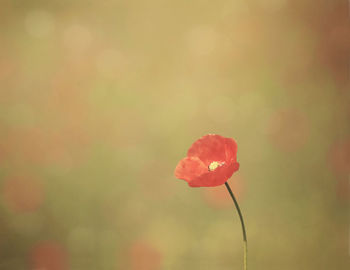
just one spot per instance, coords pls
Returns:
(245, 243)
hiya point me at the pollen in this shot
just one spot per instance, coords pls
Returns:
(214, 165)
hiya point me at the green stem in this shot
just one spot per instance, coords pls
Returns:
(245, 243)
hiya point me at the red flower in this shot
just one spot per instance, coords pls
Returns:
(210, 162)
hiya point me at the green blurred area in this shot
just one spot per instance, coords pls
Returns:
(100, 100)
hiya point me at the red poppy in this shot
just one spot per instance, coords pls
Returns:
(210, 162)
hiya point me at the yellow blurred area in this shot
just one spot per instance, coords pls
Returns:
(99, 100)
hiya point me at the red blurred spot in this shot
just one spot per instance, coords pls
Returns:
(343, 187)
(143, 256)
(7, 68)
(288, 129)
(49, 256)
(334, 46)
(24, 145)
(23, 193)
(339, 160)
(219, 197)
(339, 156)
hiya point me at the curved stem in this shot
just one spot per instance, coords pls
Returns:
(245, 243)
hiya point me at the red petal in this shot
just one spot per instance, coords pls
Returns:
(231, 169)
(209, 148)
(215, 178)
(190, 168)
(231, 149)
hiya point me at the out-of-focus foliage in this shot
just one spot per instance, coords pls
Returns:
(100, 99)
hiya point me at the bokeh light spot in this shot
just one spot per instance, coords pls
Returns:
(339, 155)
(49, 255)
(77, 38)
(23, 193)
(144, 256)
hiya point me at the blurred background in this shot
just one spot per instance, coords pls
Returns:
(99, 100)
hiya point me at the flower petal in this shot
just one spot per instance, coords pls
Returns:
(231, 150)
(190, 168)
(215, 178)
(231, 169)
(209, 148)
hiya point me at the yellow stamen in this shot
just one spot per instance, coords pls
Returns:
(214, 165)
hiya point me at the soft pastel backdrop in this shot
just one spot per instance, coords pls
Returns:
(100, 99)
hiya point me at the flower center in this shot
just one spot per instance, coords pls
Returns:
(214, 165)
